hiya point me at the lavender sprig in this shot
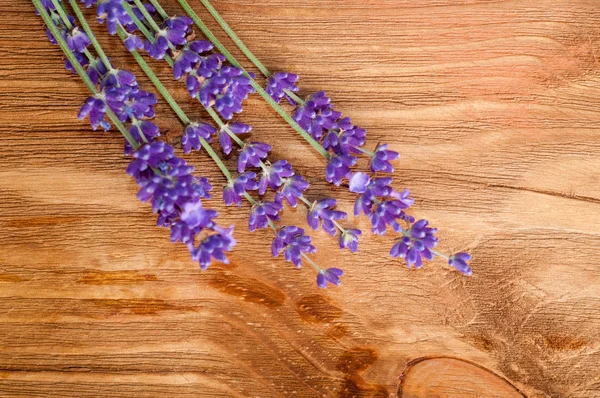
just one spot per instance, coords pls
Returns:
(165, 180)
(327, 131)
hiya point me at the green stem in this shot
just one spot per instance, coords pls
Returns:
(161, 11)
(88, 31)
(79, 69)
(366, 152)
(311, 262)
(238, 42)
(207, 32)
(146, 15)
(440, 254)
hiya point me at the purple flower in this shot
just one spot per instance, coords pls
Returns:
(381, 159)
(460, 261)
(157, 155)
(235, 128)
(140, 128)
(386, 213)
(344, 138)
(252, 153)
(194, 215)
(261, 213)
(119, 78)
(273, 175)
(232, 193)
(95, 108)
(330, 275)
(374, 191)
(293, 188)
(294, 243)
(138, 105)
(280, 81)
(338, 168)
(82, 59)
(322, 210)
(77, 40)
(214, 246)
(416, 244)
(189, 56)
(349, 239)
(95, 70)
(133, 42)
(226, 90)
(193, 133)
(173, 33)
(316, 115)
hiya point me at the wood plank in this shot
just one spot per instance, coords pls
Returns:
(494, 106)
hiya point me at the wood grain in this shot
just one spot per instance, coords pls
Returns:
(494, 106)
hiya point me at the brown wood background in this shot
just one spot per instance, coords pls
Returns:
(494, 106)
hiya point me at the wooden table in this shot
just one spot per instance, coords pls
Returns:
(494, 106)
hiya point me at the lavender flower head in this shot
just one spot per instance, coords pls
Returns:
(236, 188)
(322, 212)
(417, 243)
(280, 81)
(329, 276)
(293, 243)
(316, 115)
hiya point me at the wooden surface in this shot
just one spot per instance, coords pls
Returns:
(495, 108)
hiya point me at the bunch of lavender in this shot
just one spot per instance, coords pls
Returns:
(165, 180)
(341, 143)
(223, 87)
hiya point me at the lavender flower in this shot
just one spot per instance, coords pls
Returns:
(226, 89)
(316, 115)
(193, 133)
(344, 138)
(381, 159)
(139, 129)
(338, 168)
(262, 213)
(273, 175)
(235, 128)
(133, 42)
(77, 40)
(460, 262)
(349, 239)
(96, 69)
(322, 211)
(215, 247)
(235, 189)
(95, 108)
(252, 153)
(330, 275)
(191, 53)
(280, 81)
(293, 243)
(416, 244)
(172, 34)
(293, 188)
(113, 12)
